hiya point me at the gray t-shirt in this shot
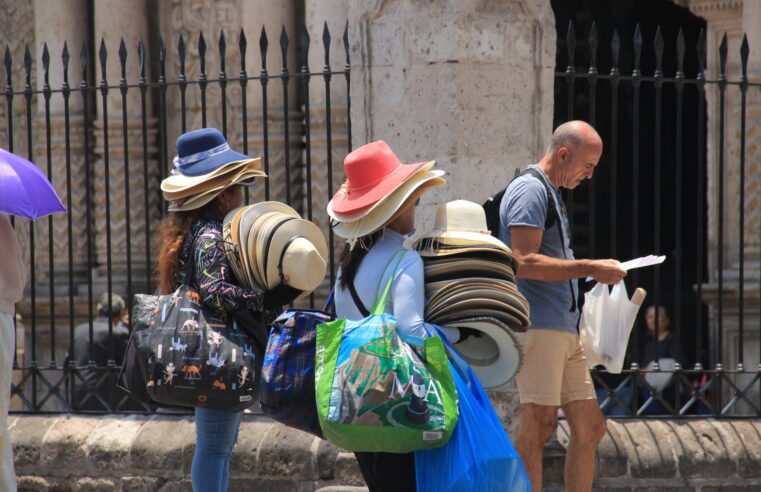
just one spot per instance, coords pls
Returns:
(525, 204)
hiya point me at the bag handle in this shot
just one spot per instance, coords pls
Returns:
(381, 303)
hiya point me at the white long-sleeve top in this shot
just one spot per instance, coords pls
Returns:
(406, 299)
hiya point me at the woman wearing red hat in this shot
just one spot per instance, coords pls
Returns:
(374, 210)
(192, 232)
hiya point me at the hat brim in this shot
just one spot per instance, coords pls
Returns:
(178, 182)
(465, 239)
(236, 176)
(496, 356)
(478, 298)
(467, 265)
(197, 201)
(436, 290)
(353, 200)
(361, 212)
(230, 239)
(210, 164)
(251, 247)
(392, 204)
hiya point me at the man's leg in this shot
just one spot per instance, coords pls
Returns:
(587, 424)
(587, 428)
(7, 339)
(535, 428)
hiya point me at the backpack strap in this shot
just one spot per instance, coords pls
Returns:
(357, 301)
(554, 208)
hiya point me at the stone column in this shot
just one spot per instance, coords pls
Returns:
(116, 20)
(466, 82)
(318, 14)
(733, 18)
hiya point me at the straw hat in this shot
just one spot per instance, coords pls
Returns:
(462, 223)
(295, 250)
(205, 166)
(269, 242)
(389, 208)
(373, 172)
(496, 356)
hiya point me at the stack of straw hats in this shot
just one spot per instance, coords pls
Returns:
(204, 167)
(378, 188)
(269, 243)
(470, 283)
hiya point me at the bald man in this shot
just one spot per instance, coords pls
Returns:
(555, 371)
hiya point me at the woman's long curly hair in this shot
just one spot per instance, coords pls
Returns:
(171, 232)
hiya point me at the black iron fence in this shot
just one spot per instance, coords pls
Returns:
(650, 102)
(650, 195)
(106, 144)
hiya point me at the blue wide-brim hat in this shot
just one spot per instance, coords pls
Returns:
(203, 151)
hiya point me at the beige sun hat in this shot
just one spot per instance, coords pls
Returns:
(387, 209)
(496, 356)
(462, 223)
(296, 250)
(249, 217)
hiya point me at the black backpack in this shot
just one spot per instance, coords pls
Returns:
(492, 205)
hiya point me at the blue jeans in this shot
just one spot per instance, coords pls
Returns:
(216, 433)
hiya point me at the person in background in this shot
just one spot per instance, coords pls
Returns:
(108, 395)
(660, 347)
(12, 280)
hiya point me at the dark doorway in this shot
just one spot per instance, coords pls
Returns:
(614, 216)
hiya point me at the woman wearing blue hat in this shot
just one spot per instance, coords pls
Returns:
(204, 186)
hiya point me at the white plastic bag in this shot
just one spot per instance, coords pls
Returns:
(606, 322)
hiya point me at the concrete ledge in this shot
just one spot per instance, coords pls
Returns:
(136, 453)
(671, 455)
(139, 453)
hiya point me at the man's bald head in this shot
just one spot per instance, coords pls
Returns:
(572, 135)
(574, 151)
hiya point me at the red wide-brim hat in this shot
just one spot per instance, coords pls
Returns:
(372, 172)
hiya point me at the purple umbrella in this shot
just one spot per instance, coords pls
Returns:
(24, 190)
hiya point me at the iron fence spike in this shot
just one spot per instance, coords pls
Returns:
(326, 43)
(593, 42)
(723, 56)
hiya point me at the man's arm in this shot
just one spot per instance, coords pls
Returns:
(525, 242)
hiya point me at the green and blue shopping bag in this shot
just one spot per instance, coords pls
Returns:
(375, 393)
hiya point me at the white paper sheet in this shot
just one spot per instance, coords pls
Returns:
(644, 261)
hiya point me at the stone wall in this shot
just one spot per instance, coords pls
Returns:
(154, 453)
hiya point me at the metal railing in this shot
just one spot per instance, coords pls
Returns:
(144, 150)
(649, 195)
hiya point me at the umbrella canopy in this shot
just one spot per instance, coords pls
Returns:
(24, 190)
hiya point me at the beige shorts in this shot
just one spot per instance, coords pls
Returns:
(555, 370)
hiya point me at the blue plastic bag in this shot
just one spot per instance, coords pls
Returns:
(479, 456)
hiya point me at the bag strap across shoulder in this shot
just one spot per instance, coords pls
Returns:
(357, 301)
(380, 304)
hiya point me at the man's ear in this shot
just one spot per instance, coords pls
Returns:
(563, 153)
